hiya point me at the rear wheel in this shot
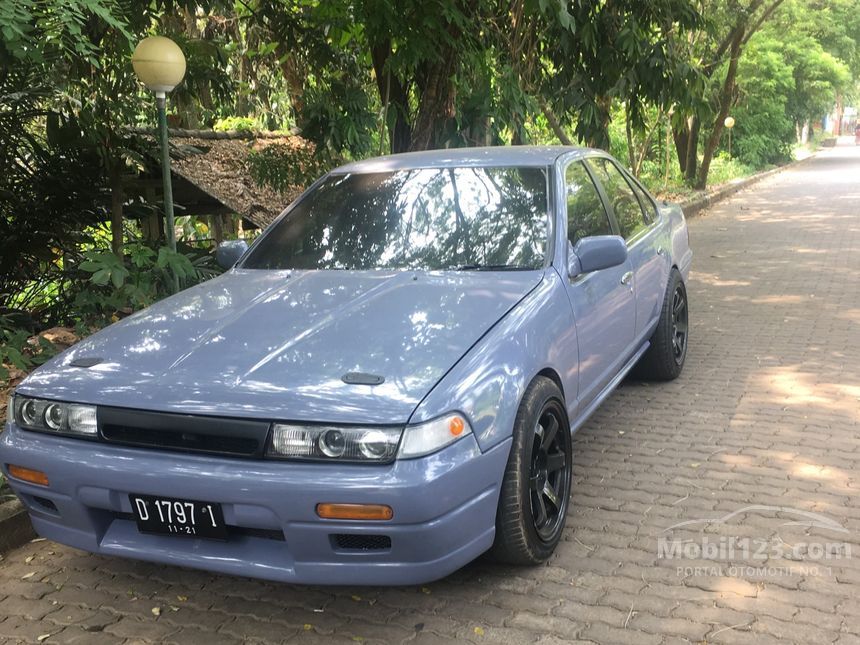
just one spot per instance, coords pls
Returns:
(664, 359)
(536, 487)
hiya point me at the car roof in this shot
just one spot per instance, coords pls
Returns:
(460, 157)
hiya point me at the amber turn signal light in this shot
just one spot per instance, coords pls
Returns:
(355, 511)
(456, 426)
(28, 475)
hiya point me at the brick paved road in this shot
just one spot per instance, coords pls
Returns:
(767, 413)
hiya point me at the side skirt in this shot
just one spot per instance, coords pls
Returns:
(610, 387)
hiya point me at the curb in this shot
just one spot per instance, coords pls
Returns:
(693, 206)
(15, 526)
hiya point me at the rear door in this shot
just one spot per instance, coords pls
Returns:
(638, 223)
(603, 302)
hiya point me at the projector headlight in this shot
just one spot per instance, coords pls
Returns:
(53, 416)
(366, 444)
(334, 443)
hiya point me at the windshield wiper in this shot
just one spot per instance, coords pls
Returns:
(490, 267)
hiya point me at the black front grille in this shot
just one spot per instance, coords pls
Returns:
(178, 440)
(355, 542)
(188, 433)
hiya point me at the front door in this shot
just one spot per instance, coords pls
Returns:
(603, 302)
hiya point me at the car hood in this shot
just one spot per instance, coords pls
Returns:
(277, 344)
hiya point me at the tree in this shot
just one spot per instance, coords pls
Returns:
(716, 51)
(622, 49)
(763, 132)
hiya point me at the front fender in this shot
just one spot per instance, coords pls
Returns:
(488, 383)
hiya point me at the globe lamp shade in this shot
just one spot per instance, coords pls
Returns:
(158, 63)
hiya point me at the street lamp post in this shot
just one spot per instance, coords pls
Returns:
(160, 65)
(729, 123)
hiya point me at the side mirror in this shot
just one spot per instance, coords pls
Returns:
(229, 252)
(595, 253)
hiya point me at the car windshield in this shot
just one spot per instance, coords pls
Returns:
(428, 218)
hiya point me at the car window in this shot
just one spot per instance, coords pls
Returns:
(586, 214)
(425, 218)
(646, 201)
(624, 203)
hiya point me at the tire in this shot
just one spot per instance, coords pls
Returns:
(664, 359)
(539, 469)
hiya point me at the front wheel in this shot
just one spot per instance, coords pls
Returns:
(536, 487)
(664, 359)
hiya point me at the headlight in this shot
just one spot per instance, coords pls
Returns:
(422, 439)
(340, 443)
(53, 416)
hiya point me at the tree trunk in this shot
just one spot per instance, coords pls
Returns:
(554, 123)
(692, 162)
(681, 137)
(295, 79)
(217, 222)
(116, 202)
(645, 148)
(840, 114)
(726, 95)
(628, 128)
(400, 134)
(243, 104)
(436, 103)
(600, 137)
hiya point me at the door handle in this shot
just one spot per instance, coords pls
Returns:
(660, 250)
(627, 278)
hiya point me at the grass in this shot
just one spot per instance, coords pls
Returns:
(723, 169)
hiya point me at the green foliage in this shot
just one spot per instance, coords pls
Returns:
(622, 50)
(338, 118)
(145, 277)
(48, 201)
(764, 131)
(237, 123)
(18, 351)
(726, 168)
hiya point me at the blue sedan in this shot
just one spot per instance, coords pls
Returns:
(381, 388)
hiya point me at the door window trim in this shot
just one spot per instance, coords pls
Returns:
(650, 225)
(610, 215)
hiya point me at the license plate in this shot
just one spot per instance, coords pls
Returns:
(169, 516)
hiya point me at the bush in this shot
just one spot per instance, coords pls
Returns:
(18, 350)
(238, 123)
(116, 288)
(46, 211)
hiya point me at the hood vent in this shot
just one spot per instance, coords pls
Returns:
(85, 361)
(362, 378)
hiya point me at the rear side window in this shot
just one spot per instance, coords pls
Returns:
(621, 197)
(586, 214)
(647, 203)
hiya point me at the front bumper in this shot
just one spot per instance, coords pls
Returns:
(444, 508)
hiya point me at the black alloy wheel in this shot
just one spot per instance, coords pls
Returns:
(535, 492)
(549, 474)
(679, 324)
